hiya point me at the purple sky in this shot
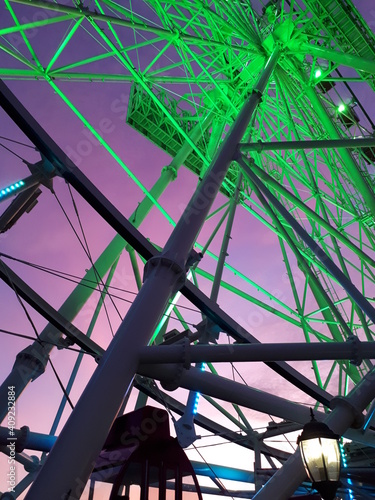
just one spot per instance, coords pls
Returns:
(44, 237)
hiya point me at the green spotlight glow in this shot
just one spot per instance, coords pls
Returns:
(341, 108)
(318, 73)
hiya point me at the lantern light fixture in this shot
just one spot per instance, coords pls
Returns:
(320, 453)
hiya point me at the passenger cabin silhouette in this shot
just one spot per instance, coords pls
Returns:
(143, 461)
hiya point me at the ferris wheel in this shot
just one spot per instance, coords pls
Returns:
(188, 222)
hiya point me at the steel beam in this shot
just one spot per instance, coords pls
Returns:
(173, 376)
(227, 236)
(48, 312)
(351, 350)
(260, 146)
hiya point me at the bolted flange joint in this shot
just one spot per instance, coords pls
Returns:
(356, 349)
(159, 262)
(172, 382)
(170, 169)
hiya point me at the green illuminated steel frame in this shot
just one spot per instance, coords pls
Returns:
(191, 66)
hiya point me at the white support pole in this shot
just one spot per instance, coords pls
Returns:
(353, 350)
(68, 466)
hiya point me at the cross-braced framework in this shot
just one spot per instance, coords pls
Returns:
(267, 108)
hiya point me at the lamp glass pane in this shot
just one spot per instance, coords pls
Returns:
(332, 458)
(321, 458)
(312, 459)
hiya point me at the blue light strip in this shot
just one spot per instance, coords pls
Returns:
(197, 395)
(345, 464)
(11, 189)
(368, 419)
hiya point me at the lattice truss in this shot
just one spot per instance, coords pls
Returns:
(181, 71)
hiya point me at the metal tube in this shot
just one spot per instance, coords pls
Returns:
(355, 350)
(318, 144)
(28, 440)
(227, 390)
(225, 243)
(352, 61)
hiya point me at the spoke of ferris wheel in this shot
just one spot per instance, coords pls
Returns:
(348, 162)
(340, 276)
(313, 215)
(279, 80)
(320, 294)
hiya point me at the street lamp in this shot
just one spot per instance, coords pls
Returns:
(321, 457)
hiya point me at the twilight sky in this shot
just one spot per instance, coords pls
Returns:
(44, 237)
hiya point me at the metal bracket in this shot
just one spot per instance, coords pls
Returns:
(358, 417)
(173, 382)
(32, 357)
(21, 438)
(208, 331)
(193, 258)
